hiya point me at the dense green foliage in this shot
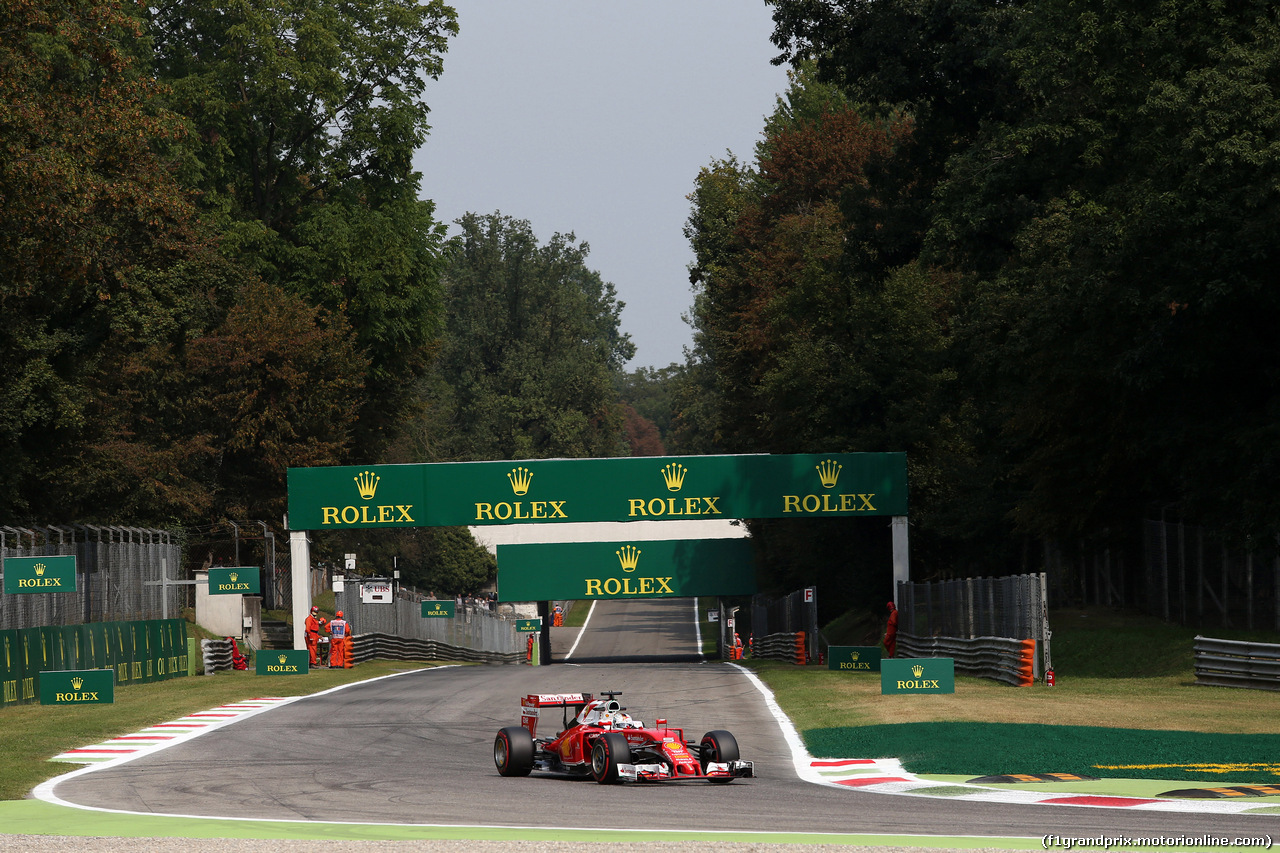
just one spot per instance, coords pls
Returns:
(530, 349)
(214, 262)
(1028, 243)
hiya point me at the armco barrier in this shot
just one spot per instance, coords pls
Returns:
(388, 647)
(1233, 663)
(150, 650)
(998, 658)
(784, 647)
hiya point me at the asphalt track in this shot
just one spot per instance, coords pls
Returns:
(417, 749)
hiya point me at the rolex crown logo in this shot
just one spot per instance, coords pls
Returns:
(233, 576)
(853, 655)
(673, 476)
(629, 557)
(77, 683)
(917, 670)
(282, 658)
(520, 479)
(828, 472)
(367, 483)
(40, 567)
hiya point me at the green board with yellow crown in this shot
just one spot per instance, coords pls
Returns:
(918, 675)
(537, 491)
(40, 574)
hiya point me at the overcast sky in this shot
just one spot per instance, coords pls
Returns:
(595, 117)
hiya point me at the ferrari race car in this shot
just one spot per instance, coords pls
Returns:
(603, 741)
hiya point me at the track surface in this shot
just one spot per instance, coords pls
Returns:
(417, 748)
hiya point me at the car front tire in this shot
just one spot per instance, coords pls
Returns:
(609, 750)
(720, 747)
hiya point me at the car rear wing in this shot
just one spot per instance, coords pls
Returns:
(531, 704)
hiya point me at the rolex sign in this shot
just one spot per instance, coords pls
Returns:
(78, 687)
(39, 574)
(281, 662)
(918, 675)
(240, 580)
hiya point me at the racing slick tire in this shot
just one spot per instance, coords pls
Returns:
(718, 746)
(609, 750)
(513, 751)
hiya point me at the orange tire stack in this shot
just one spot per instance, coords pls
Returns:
(801, 656)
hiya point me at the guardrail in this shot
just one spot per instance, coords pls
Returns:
(783, 647)
(999, 658)
(388, 647)
(1234, 663)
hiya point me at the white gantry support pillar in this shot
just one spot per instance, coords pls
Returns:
(901, 565)
(300, 565)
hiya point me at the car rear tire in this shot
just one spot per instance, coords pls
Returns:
(609, 750)
(720, 747)
(513, 751)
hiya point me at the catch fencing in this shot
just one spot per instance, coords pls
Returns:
(120, 575)
(1012, 606)
(790, 614)
(471, 627)
(1232, 663)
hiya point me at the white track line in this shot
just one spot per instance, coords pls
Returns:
(582, 630)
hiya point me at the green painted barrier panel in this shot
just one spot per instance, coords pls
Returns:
(77, 687)
(853, 658)
(286, 662)
(618, 489)
(131, 651)
(918, 675)
(27, 575)
(10, 668)
(646, 569)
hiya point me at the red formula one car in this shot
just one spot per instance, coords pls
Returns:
(603, 741)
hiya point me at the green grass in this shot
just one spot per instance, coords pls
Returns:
(32, 734)
(575, 613)
(1125, 703)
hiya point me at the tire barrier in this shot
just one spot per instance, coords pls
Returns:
(1232, 663)
(216, 654)
(784, 647)
(142, 651)
(998, 658)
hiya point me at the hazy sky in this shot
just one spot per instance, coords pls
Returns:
(595, 117)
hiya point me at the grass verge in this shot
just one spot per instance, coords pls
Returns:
(1125, 691)
(32, 734)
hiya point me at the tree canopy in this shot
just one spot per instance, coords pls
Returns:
(531, 348)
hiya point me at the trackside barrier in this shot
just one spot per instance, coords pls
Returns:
(783, 647)
(388, 647)
(998, 658)
(149, 650)
(216, 654)
(1233, 663)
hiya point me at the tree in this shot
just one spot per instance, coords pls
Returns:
(820, 336)
(207, 427)
(531, 348)
(91, 223)
(306, 115)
